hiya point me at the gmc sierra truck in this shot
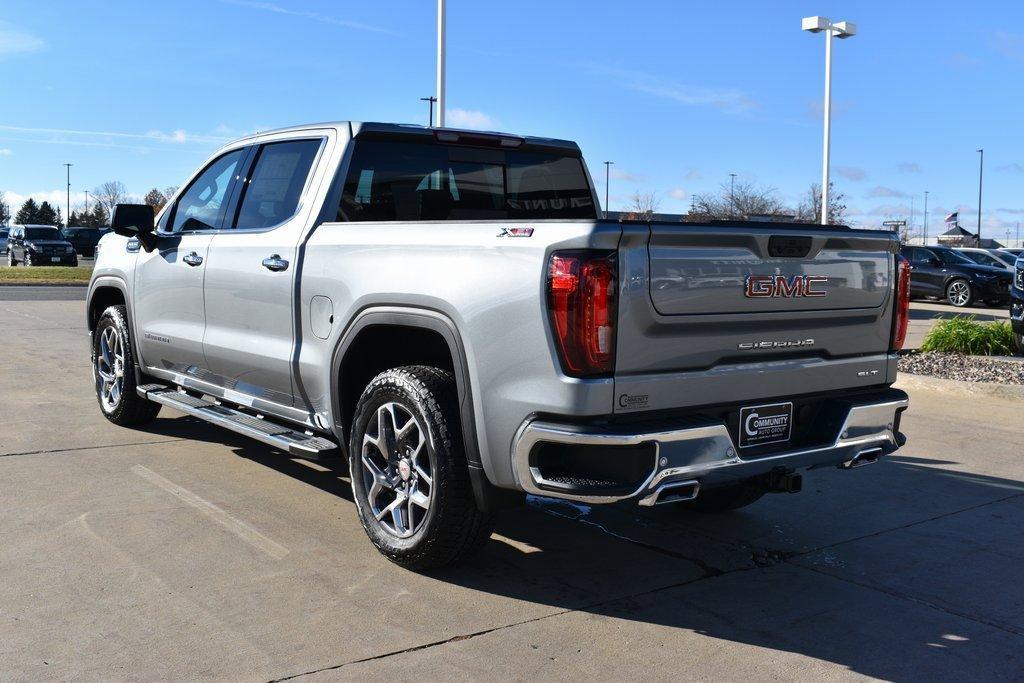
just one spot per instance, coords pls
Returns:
(450, 312)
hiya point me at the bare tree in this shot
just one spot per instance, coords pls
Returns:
(110, 194)
(642, 205)
(738, 202)
(809, 210)
(169, 191)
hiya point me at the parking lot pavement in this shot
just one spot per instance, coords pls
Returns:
(925, 314)
(187, 552)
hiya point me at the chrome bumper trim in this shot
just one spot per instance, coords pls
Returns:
(709, 449)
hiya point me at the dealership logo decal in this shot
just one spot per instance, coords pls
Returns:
(798, 286)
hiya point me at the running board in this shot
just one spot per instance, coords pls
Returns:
(296, 443)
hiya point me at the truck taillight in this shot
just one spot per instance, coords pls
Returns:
(581, 302)
(901, 314)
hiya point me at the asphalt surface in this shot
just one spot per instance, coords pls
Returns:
(183, 552)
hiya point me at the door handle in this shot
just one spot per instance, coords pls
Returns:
(275, 263)
(192, 259)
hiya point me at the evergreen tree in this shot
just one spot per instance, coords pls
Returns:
(47, 215)
(28, 214)
(5, 211)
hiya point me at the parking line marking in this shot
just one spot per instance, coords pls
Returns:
(226, 520)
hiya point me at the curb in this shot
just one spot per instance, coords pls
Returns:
(907, 381)
(43, 284)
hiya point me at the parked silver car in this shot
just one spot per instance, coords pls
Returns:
(997, 258)
(449, 311)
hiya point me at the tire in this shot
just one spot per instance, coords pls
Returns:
(27, 259)
(413, 409)
(1018, 339)
(728, 497)
(10, 258)
(113, 362)
(960, 293)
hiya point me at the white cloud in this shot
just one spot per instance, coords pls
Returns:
(693, 174)
(4, 152)
(880, 191)
(1011, 168)
(677, 193)
(177, 136)
(469, 118)
(14, 40)
(629, 177)
(312, 16)
(730, 100)
(851, 173)
(909, 167)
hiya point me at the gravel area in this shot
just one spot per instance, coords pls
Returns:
(964, 368)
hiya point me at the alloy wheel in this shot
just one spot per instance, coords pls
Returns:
(397, 472)
(959, 293)
(110, 369)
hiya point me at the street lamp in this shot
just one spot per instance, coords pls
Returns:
(430, 116)
(981, 169)
(732, 193)
(67, 216)
(840, 29)
(607, 175)
(925, 243)
(440, 61)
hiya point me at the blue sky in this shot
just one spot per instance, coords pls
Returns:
(678, 94)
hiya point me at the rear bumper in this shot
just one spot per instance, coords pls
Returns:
(706, 454)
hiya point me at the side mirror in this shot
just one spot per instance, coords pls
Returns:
(134, 220)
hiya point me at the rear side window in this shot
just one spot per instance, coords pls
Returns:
(416, 181)
(272, 193)
(201, 206)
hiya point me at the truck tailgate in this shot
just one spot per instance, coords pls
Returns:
(713, 313)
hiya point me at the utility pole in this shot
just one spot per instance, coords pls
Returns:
(911, 214)
(732, 193)
(925, 243)
(981, 170)
(67, 216)
(87, 202)
(607, 176)
(440, 62)
(430, 116)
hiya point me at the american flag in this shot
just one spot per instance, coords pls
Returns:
(952, 218)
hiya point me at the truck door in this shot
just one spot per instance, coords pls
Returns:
(169, 312)
(250, 279)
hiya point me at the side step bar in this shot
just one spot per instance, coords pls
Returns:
(296, 443)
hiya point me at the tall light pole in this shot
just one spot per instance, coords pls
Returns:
(840, 29)
(87, 202)
(732, 193)
(981, 170)
(925, 243)
(67, 216)
(430, 115)
(607, 176)
(440, 62)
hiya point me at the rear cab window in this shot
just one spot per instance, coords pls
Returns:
(403, 180)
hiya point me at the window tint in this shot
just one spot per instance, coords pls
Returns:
(272, 193)
(201, 206)
(42, 234)
(414, 181)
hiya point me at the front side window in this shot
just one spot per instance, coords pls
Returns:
(424, 181)
(272, 193)
(201, 206)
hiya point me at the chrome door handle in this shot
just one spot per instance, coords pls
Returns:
(192, 259)
(275, 263)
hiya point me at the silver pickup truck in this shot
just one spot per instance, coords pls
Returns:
(449, 311)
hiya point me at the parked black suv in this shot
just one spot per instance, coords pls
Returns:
(84, 240)
(38, 245)
(945, 273)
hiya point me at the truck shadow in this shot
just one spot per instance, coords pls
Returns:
(876, 573)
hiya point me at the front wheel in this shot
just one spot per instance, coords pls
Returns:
(960, 293)
(113, 363)
(410, 480)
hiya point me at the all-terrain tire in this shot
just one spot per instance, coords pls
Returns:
(113, 355)
(452, 527)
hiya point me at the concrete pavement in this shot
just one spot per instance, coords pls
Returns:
(183, 551)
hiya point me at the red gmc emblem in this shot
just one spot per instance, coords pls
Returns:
(758, 286)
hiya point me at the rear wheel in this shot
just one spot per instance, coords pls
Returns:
(10, 258)
(960, 293)
(410, 480)
(113, 363)
(728, 497)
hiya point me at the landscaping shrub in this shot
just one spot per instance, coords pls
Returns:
(963, 334)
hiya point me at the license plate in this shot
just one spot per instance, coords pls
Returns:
(760, 425)
(55, 259)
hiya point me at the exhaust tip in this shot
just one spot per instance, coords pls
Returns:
(867, 456)
(672, 492)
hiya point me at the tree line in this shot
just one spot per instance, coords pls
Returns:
(96, 215)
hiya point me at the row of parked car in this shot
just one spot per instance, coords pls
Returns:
(963, 276)
(37, 245)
